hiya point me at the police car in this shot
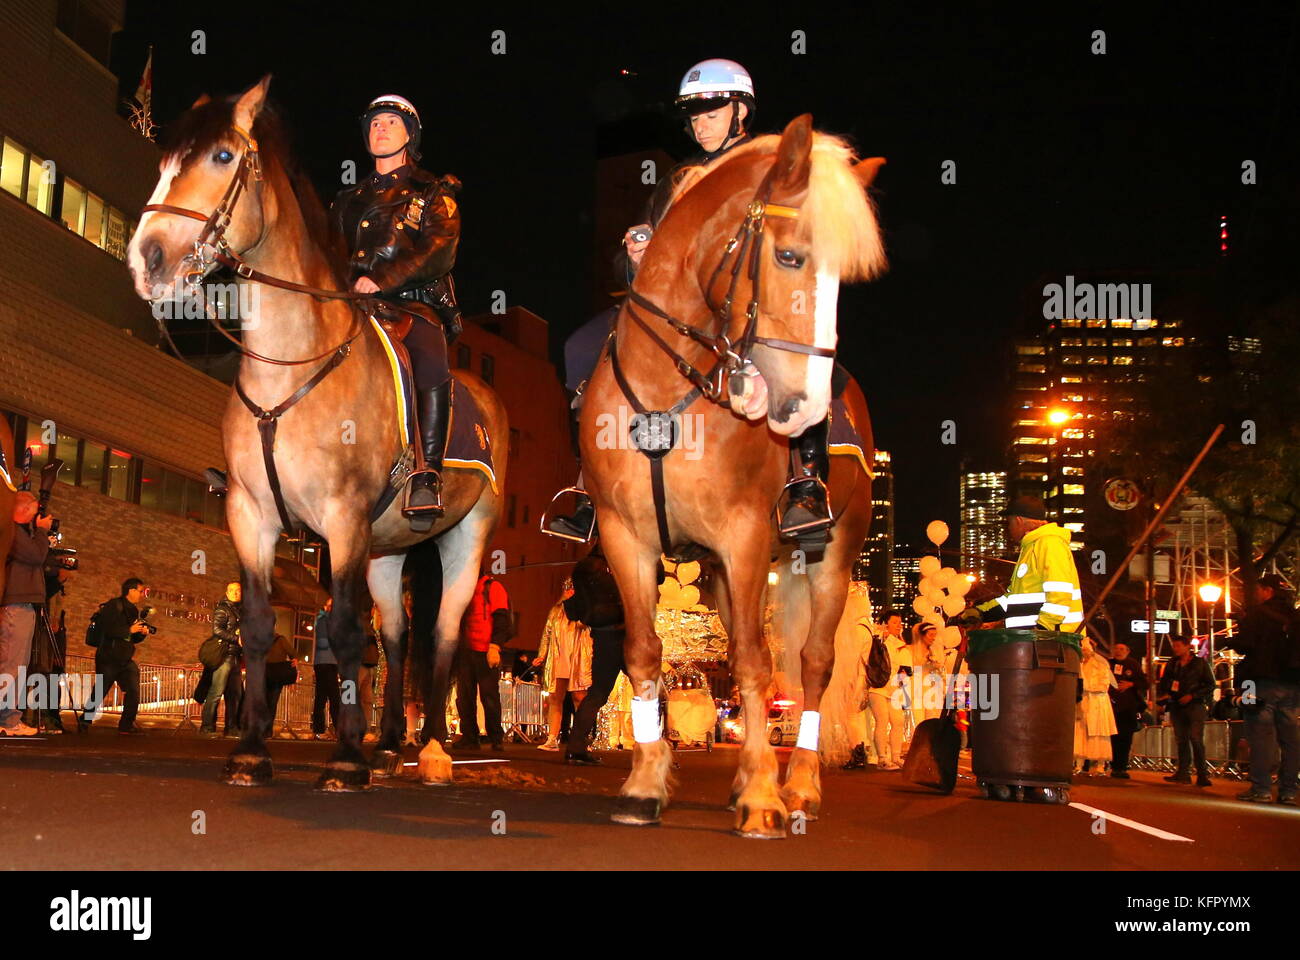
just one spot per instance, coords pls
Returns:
(782, 724)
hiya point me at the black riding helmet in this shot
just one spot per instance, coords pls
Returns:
(392, 103)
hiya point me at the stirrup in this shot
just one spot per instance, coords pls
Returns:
(420, 511)
(812, 526)
(543, 523)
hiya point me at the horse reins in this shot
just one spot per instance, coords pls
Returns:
(732, 356)
(213, 236)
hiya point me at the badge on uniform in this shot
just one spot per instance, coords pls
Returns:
(414, 213)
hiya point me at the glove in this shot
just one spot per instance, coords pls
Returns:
(493, 655)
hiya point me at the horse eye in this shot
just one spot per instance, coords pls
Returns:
(223, 156)
(789, 258)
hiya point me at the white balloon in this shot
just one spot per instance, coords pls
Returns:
(950, 636)
(925, 586)
(936, 597)
(922, 606)
(941, 578)
(953, 605)
(937, 532)
(959, 586)
(929, 566)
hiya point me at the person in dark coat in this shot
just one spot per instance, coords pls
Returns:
(225, 627)
(121, 629)
(1269, 677)
(1185, 688)
(402, 227)
(597, 603)
(1128, 700)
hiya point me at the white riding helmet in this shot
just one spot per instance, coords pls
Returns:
(711, 83)
(392, 103)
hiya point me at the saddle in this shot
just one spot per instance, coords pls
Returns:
(396, 319)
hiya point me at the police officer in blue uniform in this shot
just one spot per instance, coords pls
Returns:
(401, 225)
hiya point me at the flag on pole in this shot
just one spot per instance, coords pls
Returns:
(142, 110)
(144, 92)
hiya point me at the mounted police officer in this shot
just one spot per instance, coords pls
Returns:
(716, 100)
(401, 226)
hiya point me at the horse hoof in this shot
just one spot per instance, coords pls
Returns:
(385, 763)
(247, 770)
(806, 807)
(637, 811)
(732, 801)
(435, 771)
(344, 778)
(764, 824)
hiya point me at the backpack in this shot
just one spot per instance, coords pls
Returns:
(879, 669)
(512, 629)
(95, 630)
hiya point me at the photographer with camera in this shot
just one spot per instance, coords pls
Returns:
(24, 591)
(120, 625)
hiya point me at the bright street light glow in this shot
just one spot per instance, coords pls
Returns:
(1210, 592)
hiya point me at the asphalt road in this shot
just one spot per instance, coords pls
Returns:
(102, 801)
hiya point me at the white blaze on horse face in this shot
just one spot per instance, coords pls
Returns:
(817, 385)
(168, 170)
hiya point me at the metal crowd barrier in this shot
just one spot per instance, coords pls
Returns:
(167, 692)
(1155, 748)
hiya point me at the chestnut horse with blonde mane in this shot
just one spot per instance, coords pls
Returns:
(777, 224)
(334, 444)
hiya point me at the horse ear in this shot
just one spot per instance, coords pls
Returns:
(251, 102)
(794, 155)
(866, 170)
(203, 98)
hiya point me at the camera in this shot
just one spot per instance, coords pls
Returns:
(61, 558)
(640, 235)
(145, 613)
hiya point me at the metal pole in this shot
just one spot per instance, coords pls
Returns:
(1155, 522)
(1151, 609)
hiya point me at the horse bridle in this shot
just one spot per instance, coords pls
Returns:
(732, 356)
(213, 238)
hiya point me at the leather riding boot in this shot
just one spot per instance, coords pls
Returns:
(858, 759)
(577, 524)
(807, 510)
(424, 498)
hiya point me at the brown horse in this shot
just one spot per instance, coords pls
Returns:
(334, 447)
(775, 224)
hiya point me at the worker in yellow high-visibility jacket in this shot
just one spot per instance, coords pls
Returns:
(1044, 590)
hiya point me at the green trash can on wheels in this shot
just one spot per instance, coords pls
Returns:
(1025, 747)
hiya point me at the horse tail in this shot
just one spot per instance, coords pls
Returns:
(424, 569)
(791, 619)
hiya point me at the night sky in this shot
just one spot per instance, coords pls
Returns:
(1067, 162)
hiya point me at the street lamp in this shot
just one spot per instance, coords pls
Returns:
(1210, 593)
(1058, 417)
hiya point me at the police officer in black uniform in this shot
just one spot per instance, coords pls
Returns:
(402, 226)
(717, 99)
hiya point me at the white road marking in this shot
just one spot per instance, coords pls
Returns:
(1133, 824)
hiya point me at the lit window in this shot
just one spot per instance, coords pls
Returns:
(1123, 360)
(1147, 324)
(73, 211)
(1030, 350)
(1072, 510)
(1072, 379)
(115, 236)
(1071, 323)
(119, 475)
(1071, 341)
(1070, 359)
(1032, 440)
(1125, 324)
(40, 185)
(1072, 471)
(1073, 489)
(1028, 423)
(94, 228)
(1146, 341)
(13, 163)
(1097, 324)
(1075, 527)
(1031, 368)
(1122, 342)
(1169, 324)
(1098, 342)
(1072, 434)
(1172, 341)
(1096, 359)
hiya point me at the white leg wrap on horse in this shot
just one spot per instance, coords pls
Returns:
(645, 720)
(810, 727)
